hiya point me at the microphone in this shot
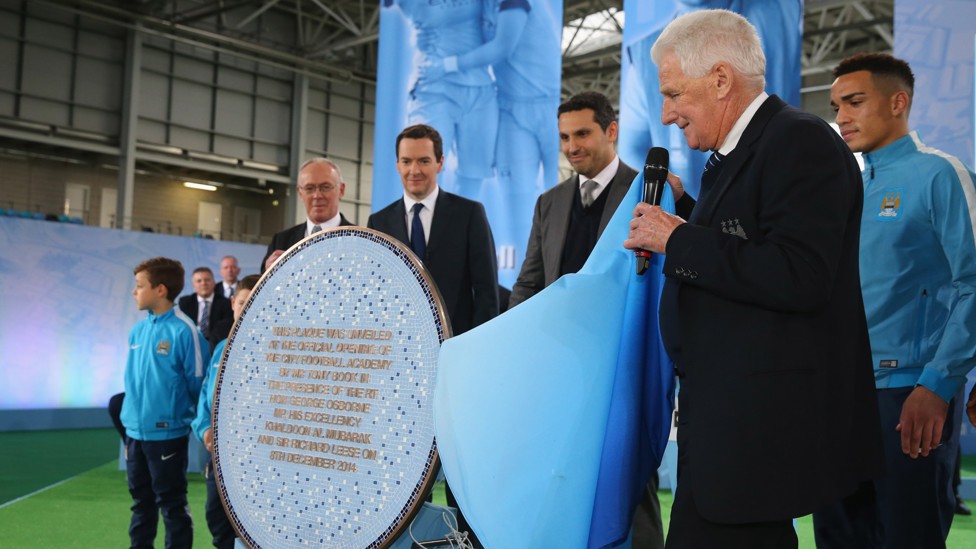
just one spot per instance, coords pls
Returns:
(655, 177)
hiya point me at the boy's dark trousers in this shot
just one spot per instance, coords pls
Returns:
(217, 521)
(156, 470)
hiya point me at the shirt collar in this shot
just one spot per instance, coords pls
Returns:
(428, 200)
(328, 224)
(732, 139)
(202, 299)
(606, 174)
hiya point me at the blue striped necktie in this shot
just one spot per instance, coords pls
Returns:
(714, 160)
(205, 319)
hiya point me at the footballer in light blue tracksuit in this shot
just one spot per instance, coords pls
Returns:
(918, 279)
(163, 374)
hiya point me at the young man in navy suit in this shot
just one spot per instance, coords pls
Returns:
(761, 309)
(449, 233)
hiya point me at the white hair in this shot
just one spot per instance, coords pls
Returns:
(701, 39)
(321, 160)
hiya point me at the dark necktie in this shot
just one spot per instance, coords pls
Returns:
(712, 168)
(417, 241)
(714, 160)
(205, 319)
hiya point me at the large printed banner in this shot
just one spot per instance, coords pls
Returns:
(779, 23)
(486, 75)
(937, 40)
(66, 306)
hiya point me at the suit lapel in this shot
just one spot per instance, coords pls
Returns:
(441, 220)
(398, 222)
(619, 186)
(736, 160)
(558, 220)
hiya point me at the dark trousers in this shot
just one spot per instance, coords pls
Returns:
(156, 471)
(910, 507)
(217, 521)
(648, 532)
(689, 530)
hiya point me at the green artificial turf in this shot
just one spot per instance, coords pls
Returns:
(31, 460)
(91, 509)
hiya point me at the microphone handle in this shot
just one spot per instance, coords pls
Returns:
(652, 196)
(643, 261)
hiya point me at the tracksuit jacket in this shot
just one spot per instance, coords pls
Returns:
(163, 374)
(918, 266)
(205, 405)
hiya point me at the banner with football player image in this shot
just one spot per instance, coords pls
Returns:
(486, 75)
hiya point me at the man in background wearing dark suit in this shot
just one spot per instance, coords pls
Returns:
(229, 270)
(761, 310)
(565, 227)
(450, 234)
(205, 306)
(320, 186)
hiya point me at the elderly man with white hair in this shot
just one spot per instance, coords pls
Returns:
(761, 309)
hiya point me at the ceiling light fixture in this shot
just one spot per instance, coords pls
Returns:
(200, 186)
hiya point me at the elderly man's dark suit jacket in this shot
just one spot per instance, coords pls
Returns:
(460, 256)
(550, 222)
(779, 414)
(287, 238)
(219, 310)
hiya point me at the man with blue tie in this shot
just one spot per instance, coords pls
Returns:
(449, 233)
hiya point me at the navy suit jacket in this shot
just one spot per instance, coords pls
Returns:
(287, 238)
(778, 408)
(460, 256)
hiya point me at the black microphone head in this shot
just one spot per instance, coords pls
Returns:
(657, 158)
(655, 175)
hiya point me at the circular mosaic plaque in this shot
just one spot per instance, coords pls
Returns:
(323, 408)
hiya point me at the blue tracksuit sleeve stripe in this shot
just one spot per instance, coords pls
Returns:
(954, 211)
(195, 367)
(965, 180)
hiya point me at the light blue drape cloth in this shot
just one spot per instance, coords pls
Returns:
(550, 418)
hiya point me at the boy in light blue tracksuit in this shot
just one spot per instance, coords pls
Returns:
(918, 279)
(217, 521)
(163, 374)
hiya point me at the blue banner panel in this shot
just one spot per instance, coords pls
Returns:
(66, 306)
(937, 40)
(779, 23)
(486, 75)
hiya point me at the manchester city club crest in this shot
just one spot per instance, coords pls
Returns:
(163, 347)
(890, 204)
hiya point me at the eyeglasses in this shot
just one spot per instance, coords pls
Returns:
(324, 188)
